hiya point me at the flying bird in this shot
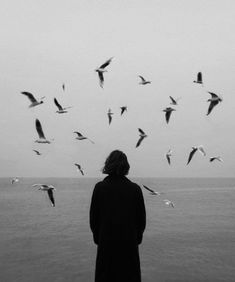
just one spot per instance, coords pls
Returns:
(61, 110)
(101, 71)
(214, 100)
(42, 139)
(110, 115)
(199, 78)
(168, 156)
(174, 101)
(34, 102)
(168, 112)
(79, 168)
(218, 158)
(37, 152)
(142, 136)
(63, 87)
(14, 180)
(143, 81)
(123, 109)
(194, 149)
(152, 192)
(169, 203)
(49, 189)
(82, 137)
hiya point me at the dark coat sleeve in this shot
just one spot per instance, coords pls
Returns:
(141, 215)
(95, 214)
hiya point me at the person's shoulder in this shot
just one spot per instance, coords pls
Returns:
(134, 185)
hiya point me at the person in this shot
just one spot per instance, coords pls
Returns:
(117, 221)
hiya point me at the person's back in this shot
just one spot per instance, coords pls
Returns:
(117, 220)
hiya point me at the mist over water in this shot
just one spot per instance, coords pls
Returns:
(192, 242)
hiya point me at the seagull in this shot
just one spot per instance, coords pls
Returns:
(199, 78)
(168, 112)
(14, 180)
(63, 87)
(152, 192)
(194, 149)
(214, 100)
(169, 203)
(33, 101)
(110, 115)
(42, 139)
(79, 168)
(218, 158)
(60, 109)
(174, 101)
(168, 156)
(142, 136)
(101, 71)
(123, 109)
(143, 81)
(37, 152)
(49, 189)
(82, 137)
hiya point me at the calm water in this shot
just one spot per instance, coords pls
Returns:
(195, 241)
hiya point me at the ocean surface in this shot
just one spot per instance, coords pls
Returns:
(195, 241)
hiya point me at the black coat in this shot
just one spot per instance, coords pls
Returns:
(117, 220)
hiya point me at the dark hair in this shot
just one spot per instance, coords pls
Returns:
(116, 164)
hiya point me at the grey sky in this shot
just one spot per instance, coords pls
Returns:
(47, 43)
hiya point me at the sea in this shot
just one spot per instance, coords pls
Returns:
(194, 241)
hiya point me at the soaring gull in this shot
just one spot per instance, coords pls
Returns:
(168, 112)
(218, 158)
(194, 149)
(143, 81)
(123, 109)
(15, 180)
(152, 192)
(79, 168)
(101, 71)
(42, 139)
(199, 78)
(169, 203)
(34, 102)
(168, 156)
(110, 115)
(142, 136)
(37, 152)
(82, 137)
(214, 100)
(49, 189)
(61, 110)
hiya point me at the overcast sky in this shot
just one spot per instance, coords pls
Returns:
(47, 43)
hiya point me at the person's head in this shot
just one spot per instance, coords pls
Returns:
(116, 164)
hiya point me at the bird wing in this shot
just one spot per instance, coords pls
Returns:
(167, 115)
(110, 117)
(78, 133)
(106, 63)
(30, 96)
(139, 141)
(51, 196)
(211, 106)
(37, 184)
(141, 77)
(58, 105)
(81, 171)
(141, 131)
(191, 155)
(199, 77)
(37, 152)
(173, 100)
(212, 159)
(101, 78)
(213, 95)
(150, 190)
(168, 159)
(39, 129)
(78, 166)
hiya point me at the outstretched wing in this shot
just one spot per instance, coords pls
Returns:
(78, 133)
(141, 131)
(30, 96)
(142, 79)
(199, 77)
(101, 78)
(110, 118)
(213, 95)
(201, 150)
(167, 115)
(106, 63)
(147, 188)
(173, 100)
(211, 106)
(51, 196)
(139, 141)
(58, 105)
(168, 159)
(39, 129)
(191, 155)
